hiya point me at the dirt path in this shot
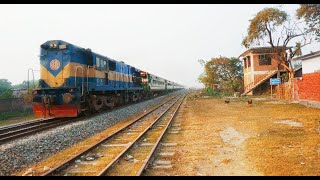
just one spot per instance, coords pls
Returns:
(215, 138)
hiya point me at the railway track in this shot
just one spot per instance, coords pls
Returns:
(16, 131)
(140, 138)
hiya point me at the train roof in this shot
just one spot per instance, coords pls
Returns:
(61, 42)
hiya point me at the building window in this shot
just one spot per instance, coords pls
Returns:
(248, 61)
(264, 59)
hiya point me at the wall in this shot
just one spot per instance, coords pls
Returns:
(265, 68)
(306, 88)
(284, 91)
(309, 87)
(248, 78)
(311, 65)
(15, 104)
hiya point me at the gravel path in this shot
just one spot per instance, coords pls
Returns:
(19, 154)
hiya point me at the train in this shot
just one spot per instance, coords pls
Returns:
(75, 81)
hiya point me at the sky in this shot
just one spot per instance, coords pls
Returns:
(165, 40)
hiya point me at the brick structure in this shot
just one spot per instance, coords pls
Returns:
(307, 88)
(258, 68)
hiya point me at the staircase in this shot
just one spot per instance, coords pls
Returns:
(260, 80)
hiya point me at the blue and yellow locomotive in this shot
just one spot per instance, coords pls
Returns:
(75, 80)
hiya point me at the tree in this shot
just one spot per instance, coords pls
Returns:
(24, 85)
(5, 89)
(311, 14)
(227, 72)
(275, 27)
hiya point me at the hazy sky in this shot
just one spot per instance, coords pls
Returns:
(166, 40)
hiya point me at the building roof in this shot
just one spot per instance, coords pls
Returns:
(307, 56)
(265, 49)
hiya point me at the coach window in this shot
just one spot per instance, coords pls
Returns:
(102, 65)
(112, 65)
(105, 65)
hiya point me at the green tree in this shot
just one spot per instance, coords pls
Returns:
(274, 27)
(5, 89)
(24, 85)
(311, 14)
(227, 72)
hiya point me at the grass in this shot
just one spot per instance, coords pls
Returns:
(270, 148)
(8, 115)
(15, 117)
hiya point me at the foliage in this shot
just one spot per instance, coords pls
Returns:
(8, 115)
(225, 72)
(311, 14)
(275, 27)
(266, 20)
(285, 77)
(5, 89)
(211, 92)
(24, 85)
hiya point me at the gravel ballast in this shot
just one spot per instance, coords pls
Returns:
(19, 154)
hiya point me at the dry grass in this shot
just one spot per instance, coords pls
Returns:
(269, 148)
(15, 120)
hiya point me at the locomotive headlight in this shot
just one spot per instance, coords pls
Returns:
(67, 98)
(143, 74)
(62, 46)
(53, 45)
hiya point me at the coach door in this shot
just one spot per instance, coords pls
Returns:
(125, 76)
(106, 78)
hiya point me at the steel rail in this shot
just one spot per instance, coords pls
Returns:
(31, 129)
(109, 166)
(147, 160)
(70, 160)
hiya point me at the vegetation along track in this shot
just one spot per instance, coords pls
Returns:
(103, 157)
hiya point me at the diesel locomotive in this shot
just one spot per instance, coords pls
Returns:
(75, 81)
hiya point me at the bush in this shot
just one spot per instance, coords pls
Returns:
(211, 92)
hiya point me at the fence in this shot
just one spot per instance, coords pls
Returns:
(14, 105)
